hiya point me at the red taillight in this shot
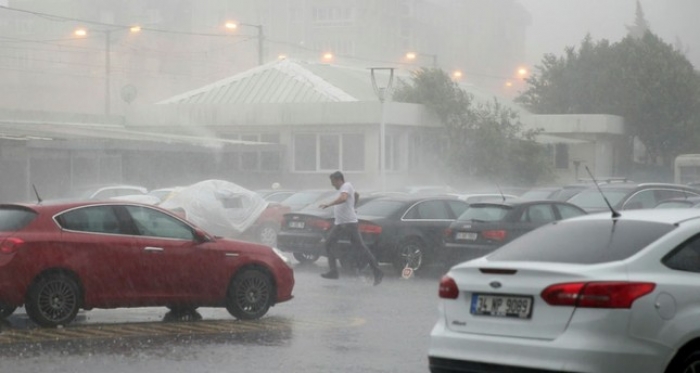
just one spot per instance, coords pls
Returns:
(497, 235)
(597, 294)
(321, 224)
(448, 288)
(10, 245)
(370, 228)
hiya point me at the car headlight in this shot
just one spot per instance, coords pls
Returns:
(284, 258)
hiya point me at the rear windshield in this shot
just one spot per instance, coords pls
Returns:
(583, 241)
(484, 213)
(15, 218)
(303, 198)
(593, 199)
(380, 208)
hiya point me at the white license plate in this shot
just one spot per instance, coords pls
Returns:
(501, 305)
(296, 224)
(470, 236)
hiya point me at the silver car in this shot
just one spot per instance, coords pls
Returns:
(589, 294)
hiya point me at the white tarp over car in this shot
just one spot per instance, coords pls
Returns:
(220, 207)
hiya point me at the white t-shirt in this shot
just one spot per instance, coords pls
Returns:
(345, 212)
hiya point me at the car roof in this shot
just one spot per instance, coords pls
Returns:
(54, 206)
(520, 202)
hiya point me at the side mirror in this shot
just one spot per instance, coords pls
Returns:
(201, 236)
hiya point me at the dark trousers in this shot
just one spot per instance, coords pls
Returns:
(351, 231)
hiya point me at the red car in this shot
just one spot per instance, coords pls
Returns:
(57, 258)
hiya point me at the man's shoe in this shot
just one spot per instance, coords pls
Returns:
(378, 276)
(331, 275)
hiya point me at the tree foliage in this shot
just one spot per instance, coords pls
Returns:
(648, 82)
(484, 140)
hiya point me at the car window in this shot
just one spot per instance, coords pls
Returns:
(664, 194)
(686, 257)
(150, 222)
(566, 211)
(457, 207)
(14, 218)
(594, 200)
(583, 241)
(484, 213)
(428, 210)
(380, 208)
(98, 219)
(538, 214)
(644, 199)
(674, 205)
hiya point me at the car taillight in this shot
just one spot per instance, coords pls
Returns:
(370, 228)
(596, 294)
(448, 288)
(321, 224)
(447, 233)
(10, 245)
(496, 235)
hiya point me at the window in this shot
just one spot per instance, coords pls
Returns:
(98, 219)
(429, 210)
(326, 152)
(538, 214)
(686, 257)
(150, 222)
(457, 207)
(566, 211)
(640, 200)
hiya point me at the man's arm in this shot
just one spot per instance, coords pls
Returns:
(357, 198)
(341, 198)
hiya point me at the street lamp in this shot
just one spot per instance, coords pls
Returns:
(414, 55)
(383, 93)
(261, 37)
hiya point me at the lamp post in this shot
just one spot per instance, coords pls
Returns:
(383, 93)
(261, 38)
(413, 55)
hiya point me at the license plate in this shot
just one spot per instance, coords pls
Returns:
(296, 224)
(470, 236)
(501, 305)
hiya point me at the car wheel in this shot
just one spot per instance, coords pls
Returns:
(410, 254)
(53, 300)
(6, 310)
(250, 294)
(267, 235)
(688, 363)
(306, 258)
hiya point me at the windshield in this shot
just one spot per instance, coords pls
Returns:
(484, 213)
(592, 199)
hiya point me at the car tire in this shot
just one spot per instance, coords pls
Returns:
(688, 363)
(250, 295)
(267, 235)
(410, 253)
(6, 310)
(305, 258)
(53, 300)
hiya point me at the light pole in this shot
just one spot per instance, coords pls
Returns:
(413, 55)
(383, 93)
(261, 38)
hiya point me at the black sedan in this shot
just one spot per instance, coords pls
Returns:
(484, 227)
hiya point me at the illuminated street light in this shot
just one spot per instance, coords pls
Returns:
(80, 32)
(135, 29)
(328, 56)
(411, 56)
(522, 71)
(282, 57)
(457, 74)
(509, 84)
(261, 37)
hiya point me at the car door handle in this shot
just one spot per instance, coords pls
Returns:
(233, 254)
(153, 249)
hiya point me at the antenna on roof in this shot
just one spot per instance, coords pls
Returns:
(615, 214)
(500, 191)
(37, 194)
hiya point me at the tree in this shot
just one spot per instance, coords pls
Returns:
(485, 140)
(646, 81)
(641, 25)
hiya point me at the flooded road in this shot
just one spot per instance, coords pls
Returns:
(344, 325)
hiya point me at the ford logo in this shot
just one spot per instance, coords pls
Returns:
(495, 284)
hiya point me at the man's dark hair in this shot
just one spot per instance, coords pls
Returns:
(338, 176)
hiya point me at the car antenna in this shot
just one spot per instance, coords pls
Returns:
(37, 193)
(615, 214)
(500, 191)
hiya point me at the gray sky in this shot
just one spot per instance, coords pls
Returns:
(557, 24)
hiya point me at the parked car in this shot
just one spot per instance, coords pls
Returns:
(484, 197)
(588, 294)
(103, 192)
(406, 231)
(301, 199)
(486, 226)
(304, 232)
(540, 193)
(275, 195)
(630, 196)
(57, 258)
(569, 190)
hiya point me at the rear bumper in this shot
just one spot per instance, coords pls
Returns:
(458, 252)
(301, 243)
(579, 351)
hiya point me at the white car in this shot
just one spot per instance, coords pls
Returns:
(588, 294)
